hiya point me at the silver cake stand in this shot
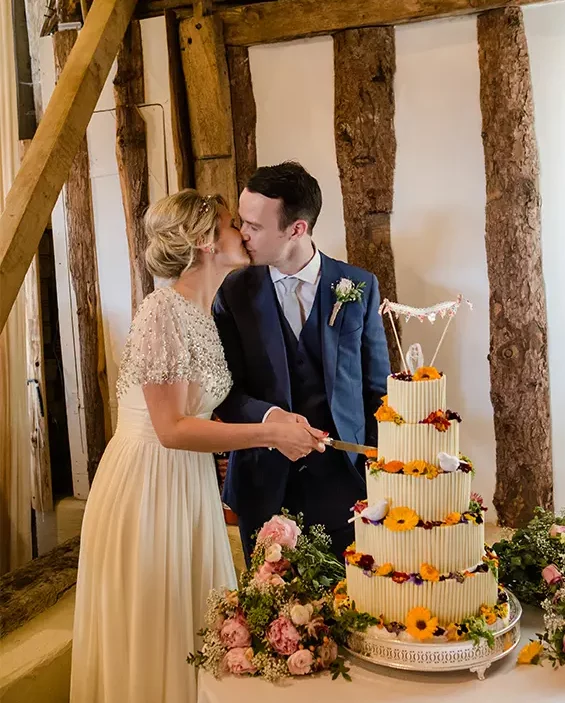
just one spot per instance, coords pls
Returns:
(445, 656)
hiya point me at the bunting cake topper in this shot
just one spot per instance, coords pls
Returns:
(447, 309)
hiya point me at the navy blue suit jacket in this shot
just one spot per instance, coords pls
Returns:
(356, 366)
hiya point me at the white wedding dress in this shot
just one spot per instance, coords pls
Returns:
(153, 541)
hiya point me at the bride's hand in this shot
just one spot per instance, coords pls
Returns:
(296, 440)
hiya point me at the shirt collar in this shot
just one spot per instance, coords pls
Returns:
(308, 274)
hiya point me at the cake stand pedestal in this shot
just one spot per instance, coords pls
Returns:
(446, 656)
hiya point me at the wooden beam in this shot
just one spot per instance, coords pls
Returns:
(184, 163)
(58, 137)
(131, 154)
(365, 64)
(244, 114)
(208, 92)
(294, 19)
(83, 268)
(518, 321)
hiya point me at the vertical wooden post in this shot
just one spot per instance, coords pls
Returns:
(365, 64)
(184, 164)
(209, 105)
(131, 153)
(84, 276)
(518, 322)
(244, 114)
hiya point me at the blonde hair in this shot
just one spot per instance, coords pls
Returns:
(177, 227)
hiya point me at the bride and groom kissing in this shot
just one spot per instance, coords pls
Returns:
(282, 373)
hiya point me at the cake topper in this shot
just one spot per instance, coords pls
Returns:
(414, 357)
(448, 308)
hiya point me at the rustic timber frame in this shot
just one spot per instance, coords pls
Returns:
(213, 159)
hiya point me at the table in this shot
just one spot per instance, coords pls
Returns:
(504, 682)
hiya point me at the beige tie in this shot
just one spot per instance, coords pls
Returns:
(291, 305)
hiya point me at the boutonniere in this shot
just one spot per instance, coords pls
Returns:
(345, 292)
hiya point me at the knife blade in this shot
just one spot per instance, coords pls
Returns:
(370, 452)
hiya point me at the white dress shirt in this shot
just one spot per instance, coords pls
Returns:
(296, 296)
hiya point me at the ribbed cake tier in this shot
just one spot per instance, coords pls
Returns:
(411, 442)
(447, 548)
(432, 499)
(415, 400)
(449, 601)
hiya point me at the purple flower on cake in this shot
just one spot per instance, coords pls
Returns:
(235, 633)
(239, 661)
(283, 636)
(327, 652)
(300, 663)
(551, 574)
(416, 579)
(279, 530)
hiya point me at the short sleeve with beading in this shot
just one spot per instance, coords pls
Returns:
(172, 340)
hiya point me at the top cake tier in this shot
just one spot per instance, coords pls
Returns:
(415, 400)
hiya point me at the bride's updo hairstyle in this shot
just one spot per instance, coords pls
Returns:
(178, 227)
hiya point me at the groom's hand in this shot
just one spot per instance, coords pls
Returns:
(279, 415)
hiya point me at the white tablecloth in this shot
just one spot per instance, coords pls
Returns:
(505, 683)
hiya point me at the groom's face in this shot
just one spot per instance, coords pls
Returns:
(265, 241)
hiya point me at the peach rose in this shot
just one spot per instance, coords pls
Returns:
(300, 663)
(281, 530)
(235, 633)
(237, 661)
(551, 574)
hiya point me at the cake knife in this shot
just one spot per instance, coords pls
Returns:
(370, 452)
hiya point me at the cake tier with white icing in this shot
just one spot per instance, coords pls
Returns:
(409, 442)
(447, 548)
(450, 601)
(415, 400)
(432, 499)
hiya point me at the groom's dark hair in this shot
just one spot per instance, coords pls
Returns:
(299, 192)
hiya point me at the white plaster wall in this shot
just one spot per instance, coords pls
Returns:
(293, 85)
(545, 31)
(438, 220)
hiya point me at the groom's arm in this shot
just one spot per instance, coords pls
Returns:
(375, 361)
(238, 406)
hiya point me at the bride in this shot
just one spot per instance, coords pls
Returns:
(153, 539)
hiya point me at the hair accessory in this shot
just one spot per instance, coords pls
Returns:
(205, 205)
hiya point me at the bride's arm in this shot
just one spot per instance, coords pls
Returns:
(175, 430)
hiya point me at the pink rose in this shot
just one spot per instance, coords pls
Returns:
(557, 530)
(551, 574)
(267, 575)
(327, 653)
(235, 633)
(281, 530)
(283, 636)
(300, 663)
(238, 661)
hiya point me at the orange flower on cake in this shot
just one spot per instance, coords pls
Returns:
(426, 373)
(401, 519)
(420, 624)
(387, 414)
(452, 519)
(416, 468)
(429, 573)
(385, 570)
(393, 467)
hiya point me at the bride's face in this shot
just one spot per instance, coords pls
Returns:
(230, 251)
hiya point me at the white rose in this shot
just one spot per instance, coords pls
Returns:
(300, 614)
(273, 553)
(447, 462)
(344, 287)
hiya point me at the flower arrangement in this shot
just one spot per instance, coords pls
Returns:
(550, 645)
(402, 519)
(446, 464)
(288, 616)
(441, 420)
(387, 414)
(523, 558)
(427, 572)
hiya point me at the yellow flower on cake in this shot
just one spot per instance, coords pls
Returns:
(453, 633)
(488, 614)
(429, 573)
(385, 570)
(420, 624)
(531, 653)
(453, 518)
(431, 471)
(416, 468)
(426, 373)
(401, 519)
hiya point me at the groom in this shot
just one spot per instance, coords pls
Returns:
(290, 364)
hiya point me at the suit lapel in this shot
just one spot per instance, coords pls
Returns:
(330, 275)
(266, 315)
